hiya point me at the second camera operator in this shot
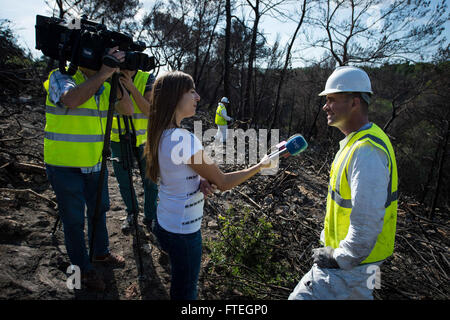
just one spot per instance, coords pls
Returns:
(139, 84)
(76, 114)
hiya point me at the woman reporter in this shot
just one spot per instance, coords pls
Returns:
(176, 156)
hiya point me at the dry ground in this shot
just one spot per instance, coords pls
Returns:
(33, 263)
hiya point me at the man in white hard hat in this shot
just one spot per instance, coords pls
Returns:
(221, 119)
(360, 221)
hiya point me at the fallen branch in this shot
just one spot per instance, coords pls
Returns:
(414, 249)
(323, 165)
(308, 227)
(263, 284)
(38, 156)
(22, 138)
(439, 266)
(11, 139)
(286, 174)
(26, 191)
(25, 167)
(308, 249)
(249, 199)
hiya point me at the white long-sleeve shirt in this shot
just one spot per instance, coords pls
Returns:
(368, 175)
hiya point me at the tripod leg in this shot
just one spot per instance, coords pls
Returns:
(129, 159)
(58, 219)
(105, 155)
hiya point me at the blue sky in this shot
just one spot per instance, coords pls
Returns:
(23, 13)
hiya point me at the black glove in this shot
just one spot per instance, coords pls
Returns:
(323, 257)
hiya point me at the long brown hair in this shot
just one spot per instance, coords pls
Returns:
(167, 90)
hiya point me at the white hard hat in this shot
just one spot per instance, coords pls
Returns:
(347, 79)
(224, 100)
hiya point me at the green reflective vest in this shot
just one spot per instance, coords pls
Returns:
(140, 120)
(74, 137)
(339, 205)
(219, 119)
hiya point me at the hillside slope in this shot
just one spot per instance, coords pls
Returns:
(33, 263)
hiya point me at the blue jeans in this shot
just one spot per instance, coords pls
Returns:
(74, 191)
(185, 252)
(150, 188)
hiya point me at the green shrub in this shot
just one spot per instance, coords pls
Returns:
(246, 256)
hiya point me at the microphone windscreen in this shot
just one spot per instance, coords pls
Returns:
(296, 144)
(293, 136)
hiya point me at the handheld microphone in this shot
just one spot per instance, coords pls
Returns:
(295, 145)
(280, 146)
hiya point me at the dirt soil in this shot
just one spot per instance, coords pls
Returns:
(33, 262)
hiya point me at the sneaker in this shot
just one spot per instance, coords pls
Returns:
(128, 223)
(110, 259)
(92, 282)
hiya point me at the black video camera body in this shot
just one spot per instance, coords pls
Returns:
(85, 43)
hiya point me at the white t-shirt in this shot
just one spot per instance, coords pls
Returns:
(180, 208)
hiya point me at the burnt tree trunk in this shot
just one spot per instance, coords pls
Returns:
(251, 59)
(440, 173)
(226, 54)
(276, 112)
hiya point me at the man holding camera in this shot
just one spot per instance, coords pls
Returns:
(76, 114)
(139, 85)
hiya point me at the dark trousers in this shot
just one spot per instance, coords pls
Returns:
(150, 188)
(74, 192)
(185, 252)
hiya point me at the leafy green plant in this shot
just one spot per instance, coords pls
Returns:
(246, 256)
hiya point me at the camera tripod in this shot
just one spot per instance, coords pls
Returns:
(128, 149)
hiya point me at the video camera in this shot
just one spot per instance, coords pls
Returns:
(84, 43)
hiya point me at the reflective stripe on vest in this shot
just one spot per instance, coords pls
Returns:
(138, 132)
(75, 112)
(339, 205)
(140, 120)
(73, 137)
(219, 120)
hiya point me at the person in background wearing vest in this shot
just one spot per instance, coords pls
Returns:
(221, 120)
(360, 222)
(139, 85)
(76, 113)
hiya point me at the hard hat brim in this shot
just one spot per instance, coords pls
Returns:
(330, 91)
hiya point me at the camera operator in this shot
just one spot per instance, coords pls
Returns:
(139, 85)
(76, 114)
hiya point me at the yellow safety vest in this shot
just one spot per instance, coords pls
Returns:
(74, 137)
(140, 120)
(219, 119)
(339, 204)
